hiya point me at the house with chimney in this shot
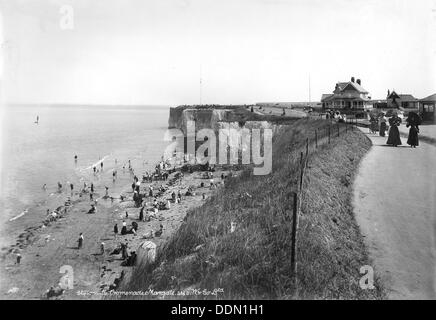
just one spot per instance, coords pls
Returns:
(347, 96)
(405, 102)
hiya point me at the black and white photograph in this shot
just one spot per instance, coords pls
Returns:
(243, 151)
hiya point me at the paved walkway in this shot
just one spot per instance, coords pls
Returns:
(395, 206)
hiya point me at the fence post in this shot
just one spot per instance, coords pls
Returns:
(301, 170)
(294, 238)
(307, 147)
(316, 138)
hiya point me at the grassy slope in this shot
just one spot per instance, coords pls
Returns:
(254, 261)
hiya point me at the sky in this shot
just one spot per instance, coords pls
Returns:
(245, 51)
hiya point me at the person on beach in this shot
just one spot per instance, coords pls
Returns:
(124, 228)
(141, 214)
(71, 187)
(127, 215)
(150, 192)
(102, 248)
(101, 166)
(80, 241)
(116, 230)
(95, 169)
(394, 133)
(124, 254)
(91, 197)
(93, 209)
(382, 125)
(413, 121)
(75, 158)
(44, 187)
(59, 186)
(18, 261)
(107, 192)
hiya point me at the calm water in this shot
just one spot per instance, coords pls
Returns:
(36, 154)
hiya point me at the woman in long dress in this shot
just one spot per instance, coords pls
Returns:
(382, 123)
(413, 121)
(373, 124)
(394, 133)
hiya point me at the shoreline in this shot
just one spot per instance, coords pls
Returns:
(45, 248)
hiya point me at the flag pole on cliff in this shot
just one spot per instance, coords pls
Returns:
(309, 91)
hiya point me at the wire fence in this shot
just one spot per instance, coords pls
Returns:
(320, 137)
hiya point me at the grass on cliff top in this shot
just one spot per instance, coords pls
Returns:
(242, 113)
(254, 261)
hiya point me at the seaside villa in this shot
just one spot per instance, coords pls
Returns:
(405, 102)
(347, 96)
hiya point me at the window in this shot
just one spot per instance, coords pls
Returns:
(429, 108)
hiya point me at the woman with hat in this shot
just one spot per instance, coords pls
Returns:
(382, 124)
(413, 121)
(394, 133)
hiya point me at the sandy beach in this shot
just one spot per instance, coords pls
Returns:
(45, 249)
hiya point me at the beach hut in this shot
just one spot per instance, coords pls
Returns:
(146, 253)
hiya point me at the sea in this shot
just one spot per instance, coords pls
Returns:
(37, 153)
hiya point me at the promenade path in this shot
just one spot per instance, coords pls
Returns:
(395, 207)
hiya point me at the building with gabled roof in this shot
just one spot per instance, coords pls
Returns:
(347, 96)
(405, 101)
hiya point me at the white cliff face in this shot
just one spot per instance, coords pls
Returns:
(240, 137)
(203, 118)
(237, 138)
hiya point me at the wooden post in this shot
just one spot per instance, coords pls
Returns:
(294, 237)
(316, 138)
(301, 170)
(307, 147)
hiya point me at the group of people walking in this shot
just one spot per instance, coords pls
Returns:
(380, 124)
